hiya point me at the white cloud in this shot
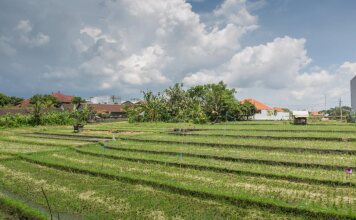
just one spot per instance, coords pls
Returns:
(24, 26)
(235, 12)
(131, 45)
(269, 65)
(153, 42)
(26, 37)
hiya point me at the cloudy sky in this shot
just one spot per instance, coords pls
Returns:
(289, 53)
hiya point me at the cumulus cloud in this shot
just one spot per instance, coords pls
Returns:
(125, 46)
(269, 65)
(26, 36)
(153, 42)
(281, 66)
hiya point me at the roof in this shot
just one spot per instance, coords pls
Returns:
(59, 97)
(316, 113)
(300, 114)
(62, 98)
(106, 108)
(259, 105)
(277, 109)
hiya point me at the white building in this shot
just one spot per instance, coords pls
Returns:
(104, 100)
(353, 93)
(264, 112)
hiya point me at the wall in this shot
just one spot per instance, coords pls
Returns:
(271, 115)
(353, 93)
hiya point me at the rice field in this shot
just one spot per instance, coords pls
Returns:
(239, 170)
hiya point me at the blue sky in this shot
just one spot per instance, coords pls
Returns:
(288, 53)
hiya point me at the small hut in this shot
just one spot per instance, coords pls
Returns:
(300, 117)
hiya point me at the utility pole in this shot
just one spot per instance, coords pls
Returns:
(325, 103)
(340, 101)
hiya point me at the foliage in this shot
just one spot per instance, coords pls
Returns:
(9, 100)
(334, 113)
(39, 104)
(15, 120)
(199, 104)
(81, 116)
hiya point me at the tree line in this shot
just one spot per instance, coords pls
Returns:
(9, 100)
(198, 104)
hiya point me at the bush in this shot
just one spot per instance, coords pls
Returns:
(14, 121)
(57, 118)
(49, 118)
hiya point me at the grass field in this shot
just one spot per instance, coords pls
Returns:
(239, 170)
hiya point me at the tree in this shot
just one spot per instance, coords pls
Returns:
(39, 104)
(9, 100)
(4, 100)
(199, 104)
(248, 110)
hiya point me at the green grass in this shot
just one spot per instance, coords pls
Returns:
(303, 144)
(244, 153)
(213, 177)
(255, 190)
(14, 209)
(279, 134)
(97, 198)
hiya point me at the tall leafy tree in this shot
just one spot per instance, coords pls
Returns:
(39, 104)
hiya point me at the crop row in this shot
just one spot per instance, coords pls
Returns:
(297, 144)
(15, 148)
(279, 134)
(331, 161)
(91, 197)
(302, 175)
(252, 135)
(304, 198)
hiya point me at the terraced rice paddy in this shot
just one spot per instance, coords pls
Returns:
(147, 171)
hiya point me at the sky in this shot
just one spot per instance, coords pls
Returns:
(285, 53)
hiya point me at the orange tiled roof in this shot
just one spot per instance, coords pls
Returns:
(277, 109)
(316, 113)
(62, 98)
(257, 104)
(59, 97)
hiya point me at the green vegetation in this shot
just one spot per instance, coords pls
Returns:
(199, 104)
(150, 173)
(9, 100)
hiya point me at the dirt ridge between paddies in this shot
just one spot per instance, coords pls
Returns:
(217, 169)
(240, 201)
(247, 146)
(267, 137)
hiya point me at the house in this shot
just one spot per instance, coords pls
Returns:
(107, 110)
(61, 98)
(353, 94)
(265, 112)
(316, 114)
(300, 117)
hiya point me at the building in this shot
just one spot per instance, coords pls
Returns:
(300, 117)
(265, 112)
(61, 98)
(107, 110)
(353, 93)
(104, 100)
